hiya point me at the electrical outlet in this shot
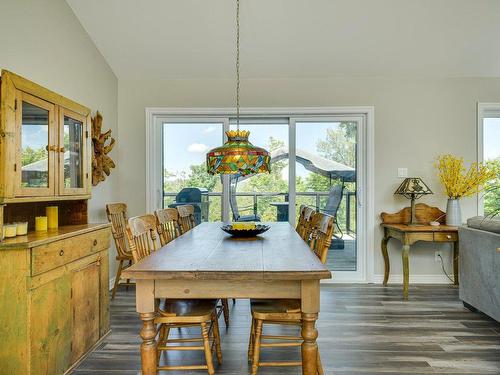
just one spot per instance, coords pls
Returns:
(402, 172)
(437, 254)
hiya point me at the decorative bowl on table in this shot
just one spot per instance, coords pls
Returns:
(244, 229)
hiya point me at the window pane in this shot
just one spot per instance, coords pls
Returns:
(264, 196)
(326, 181)
(491, 154)
(34, 143)
(184, 155)
(73, 157)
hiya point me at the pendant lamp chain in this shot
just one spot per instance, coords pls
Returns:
(238, 64)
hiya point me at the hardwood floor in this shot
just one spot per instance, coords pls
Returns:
(363, 329)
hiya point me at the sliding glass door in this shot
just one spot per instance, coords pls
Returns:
(316, 161)
(325, 178)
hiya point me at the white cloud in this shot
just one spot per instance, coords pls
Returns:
(197, 147)
(209, 129)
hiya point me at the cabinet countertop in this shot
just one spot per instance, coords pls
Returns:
(40, 238)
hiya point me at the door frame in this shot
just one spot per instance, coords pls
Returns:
(156, 115)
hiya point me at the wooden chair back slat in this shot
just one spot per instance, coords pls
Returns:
(322, 233)
(143, 238)
(167, 225)
(186, 217)
(117, 216)
(307, 227)
(300, 221)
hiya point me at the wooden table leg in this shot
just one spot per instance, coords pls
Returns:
(148, 347)
(310, 309)
(456, 255)
(385, 254)
(146, 307)
(406, 270)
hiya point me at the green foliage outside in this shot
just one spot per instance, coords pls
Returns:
(339, 145)
(492, 191)
(31, 155)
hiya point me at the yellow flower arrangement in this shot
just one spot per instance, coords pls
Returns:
(458, 182)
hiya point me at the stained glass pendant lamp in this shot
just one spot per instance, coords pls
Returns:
(238, 155)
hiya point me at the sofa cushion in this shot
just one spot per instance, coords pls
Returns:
(489, 224)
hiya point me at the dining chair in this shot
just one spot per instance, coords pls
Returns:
(287, 312)
(117, 216)
(167, 225)
(186, 217)
(143, 236)
(177, 313)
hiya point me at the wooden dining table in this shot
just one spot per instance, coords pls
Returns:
(208, 263)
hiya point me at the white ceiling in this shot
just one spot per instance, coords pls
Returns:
(295, 38)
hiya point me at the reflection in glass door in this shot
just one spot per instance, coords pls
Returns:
(325, 178)
(263, 197)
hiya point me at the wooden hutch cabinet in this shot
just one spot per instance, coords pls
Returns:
(53, 284)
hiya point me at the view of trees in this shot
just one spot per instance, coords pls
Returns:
(492, 191)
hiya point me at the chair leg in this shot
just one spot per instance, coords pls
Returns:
(208, 352)
(162, 338)
(256, 348)
(117, 279)
(128, 280)
(319, 365)
(250, 341)
(225, 311)
(218, 350)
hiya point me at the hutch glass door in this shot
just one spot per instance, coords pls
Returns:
(72, 171)
(35, 124)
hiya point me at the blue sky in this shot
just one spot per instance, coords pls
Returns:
(35, 136)
(491, 136)
(187, 144)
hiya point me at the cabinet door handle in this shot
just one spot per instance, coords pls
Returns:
(61, 253)
(95, 242)
(448, 236)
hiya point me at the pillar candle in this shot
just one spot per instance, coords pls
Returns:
(41, 223)
(9, 230)
(52, 217)
(22, 228)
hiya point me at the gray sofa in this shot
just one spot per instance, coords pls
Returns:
(480, 265)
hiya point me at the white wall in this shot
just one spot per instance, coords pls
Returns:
(43, 41)
(416, 119)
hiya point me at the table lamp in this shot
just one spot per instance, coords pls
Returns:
(413, 188)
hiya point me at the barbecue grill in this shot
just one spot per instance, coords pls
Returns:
(196, 197)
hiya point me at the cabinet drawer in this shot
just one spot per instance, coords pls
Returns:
(58, 253)
(443, 237)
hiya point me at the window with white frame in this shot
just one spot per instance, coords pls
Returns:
(489, 152)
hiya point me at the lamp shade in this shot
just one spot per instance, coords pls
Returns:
(413, 188)
(238, 155)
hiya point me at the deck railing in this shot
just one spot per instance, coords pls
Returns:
(318, 201)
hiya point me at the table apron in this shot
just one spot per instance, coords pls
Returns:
(227, 289)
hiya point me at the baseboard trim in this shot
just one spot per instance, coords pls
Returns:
(414, 279)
